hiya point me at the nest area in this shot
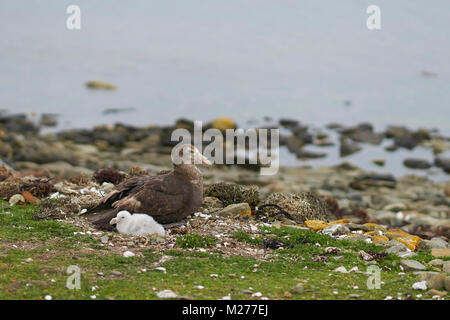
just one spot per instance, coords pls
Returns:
(302, 206)
(230, 193)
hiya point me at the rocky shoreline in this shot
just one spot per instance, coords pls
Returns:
(65, 174)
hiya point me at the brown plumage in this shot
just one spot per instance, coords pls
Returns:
(167, 198)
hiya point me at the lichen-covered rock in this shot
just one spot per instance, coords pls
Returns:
(302, 206)
(235, 210)
(230, 193)
(223, 123)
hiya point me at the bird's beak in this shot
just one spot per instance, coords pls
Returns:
(205, 161)
(113, 221)
(202, 159)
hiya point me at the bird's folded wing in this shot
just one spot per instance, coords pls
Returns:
(150, 201)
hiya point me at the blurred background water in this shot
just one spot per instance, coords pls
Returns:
(314, 61)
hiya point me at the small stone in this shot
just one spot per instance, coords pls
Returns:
(332, 250)
(298, 289)
(422, 285)
(440, 253)
(128, 254)
(257, 294)
(446, 266)
(447, 283)
(336, 229)
(412, 265)
(341, 269)
(426, 245)
(365, 256)
(434, 292)
(162, 269)
(48, 297)
(104, 239)
(236, 210)
(436, 262)
(116, 273)
(166, 294)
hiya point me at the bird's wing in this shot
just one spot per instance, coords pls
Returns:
(152, 198)
(123, 189)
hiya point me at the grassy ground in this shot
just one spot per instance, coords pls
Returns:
(35, 255)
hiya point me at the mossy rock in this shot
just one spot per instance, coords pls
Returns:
(302, 206)
(230, 193)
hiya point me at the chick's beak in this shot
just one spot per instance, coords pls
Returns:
(113, 221)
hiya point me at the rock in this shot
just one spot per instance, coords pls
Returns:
(406, 141)
(436, 262)
(332, 250)
(379, 162)
(354, 226)
(302, 206)
(396, 207)
(412, 265)
(439, 240)
(128, 254)
(426, 245)
(48, 120)
(440, 253)
(447, 283)
(443, 163)
(336, 229)
(100, 85)
(434, 280)
(166, 294)
(365, 181)
(223, 124)
(422, 285)
(341, 269)
(348, 147)
(434, 292)
(396, 250)
(66, 170)
(413, 163)
(106, 187)
(446, 266)
(365, 256)
(116, 273)
(18, 123)
(235, 210)
(437, 282)
(15, 199)
(362, 133)
(298, 289)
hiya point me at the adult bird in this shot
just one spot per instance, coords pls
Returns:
(167, 198)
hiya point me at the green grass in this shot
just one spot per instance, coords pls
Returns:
(51, 247)
(195, 241)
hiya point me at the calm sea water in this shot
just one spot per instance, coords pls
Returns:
(311, 60)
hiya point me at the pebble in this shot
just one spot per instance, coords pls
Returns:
(161, 269)
(336, 229)
(434, 292)
(166, 294)
(341, 269)
(446, 267)
(436, 262)
(128, 254)
(422, 285)
(412, 265)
